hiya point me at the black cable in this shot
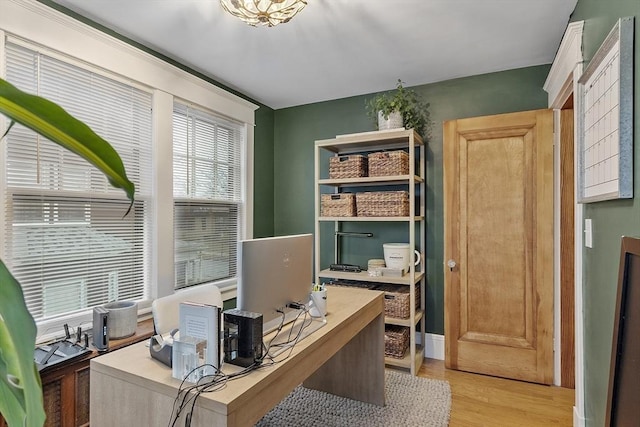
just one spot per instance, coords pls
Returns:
(188, 396)
(305, 311)
(266, 351)
(291, 342)
(216, 379)
(186, 392)
(219, 384)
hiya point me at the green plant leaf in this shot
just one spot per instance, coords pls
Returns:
(52, 121)
(20, 387)
(21, 401)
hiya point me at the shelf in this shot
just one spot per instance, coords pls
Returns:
(369, 181)
(363, 276)
(403, 322)
(371, 218)
(370, 141)
(413, 181)
(406, 361)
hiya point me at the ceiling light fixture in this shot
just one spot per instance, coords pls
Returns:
(264, 12)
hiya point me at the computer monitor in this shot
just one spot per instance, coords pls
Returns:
(274, 272)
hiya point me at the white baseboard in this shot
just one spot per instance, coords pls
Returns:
(578, 420)
(434, 346)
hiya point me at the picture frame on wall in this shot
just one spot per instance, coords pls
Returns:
(605, 138)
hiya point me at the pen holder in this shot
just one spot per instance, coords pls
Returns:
(318, 303)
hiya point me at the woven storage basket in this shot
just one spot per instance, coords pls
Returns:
(387, 163)
(382, 203)
(342, 204)
(396, 340)
(352, 166)
(397, 300)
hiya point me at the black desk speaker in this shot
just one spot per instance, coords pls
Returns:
(100, 329)
(242, 337)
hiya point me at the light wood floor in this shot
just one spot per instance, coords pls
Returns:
(480, 400)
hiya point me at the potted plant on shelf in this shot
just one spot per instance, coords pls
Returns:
(402, 108)
(21, 400)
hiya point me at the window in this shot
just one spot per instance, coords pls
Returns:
(66, 240)
(61, 228)
(207, 195)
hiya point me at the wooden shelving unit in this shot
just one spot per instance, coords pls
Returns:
(413, 182)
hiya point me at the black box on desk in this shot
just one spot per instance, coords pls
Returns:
(242, 337)
(100, 329)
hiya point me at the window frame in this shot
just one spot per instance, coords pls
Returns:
(75, 41)
(234, 197)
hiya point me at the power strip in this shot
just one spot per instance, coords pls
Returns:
(345, 267)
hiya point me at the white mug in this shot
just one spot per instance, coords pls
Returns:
(398, 255)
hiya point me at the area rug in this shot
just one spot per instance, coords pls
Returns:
(410, 401)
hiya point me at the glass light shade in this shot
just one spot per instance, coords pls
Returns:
(263, 12)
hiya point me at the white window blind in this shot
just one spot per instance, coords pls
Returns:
(207, 193)
(68, 243)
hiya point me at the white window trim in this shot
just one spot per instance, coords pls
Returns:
(37, 23)
(41, 24)
(560, 83)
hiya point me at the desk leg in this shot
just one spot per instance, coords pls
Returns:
(357, 370)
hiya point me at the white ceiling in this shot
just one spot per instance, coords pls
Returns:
(339, 48)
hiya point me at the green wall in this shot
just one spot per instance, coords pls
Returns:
(297, 128)
(610, 220)
(263, 200)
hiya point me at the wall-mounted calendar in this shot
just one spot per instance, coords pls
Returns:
(606, 119)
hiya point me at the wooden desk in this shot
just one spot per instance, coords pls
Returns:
(345, 357)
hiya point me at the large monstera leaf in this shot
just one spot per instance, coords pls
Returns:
(52, 121)
(20, 388)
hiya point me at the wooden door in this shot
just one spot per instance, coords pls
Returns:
(498, 214)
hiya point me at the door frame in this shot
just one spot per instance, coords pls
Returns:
(561, 84)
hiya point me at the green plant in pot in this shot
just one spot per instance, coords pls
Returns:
(400, 108)
(21, 402)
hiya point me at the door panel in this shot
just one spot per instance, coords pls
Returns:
(499, 230)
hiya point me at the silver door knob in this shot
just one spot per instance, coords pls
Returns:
(451, 264)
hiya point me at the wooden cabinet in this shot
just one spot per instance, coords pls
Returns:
(66, 394)
(412, 225)
(65, 388)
